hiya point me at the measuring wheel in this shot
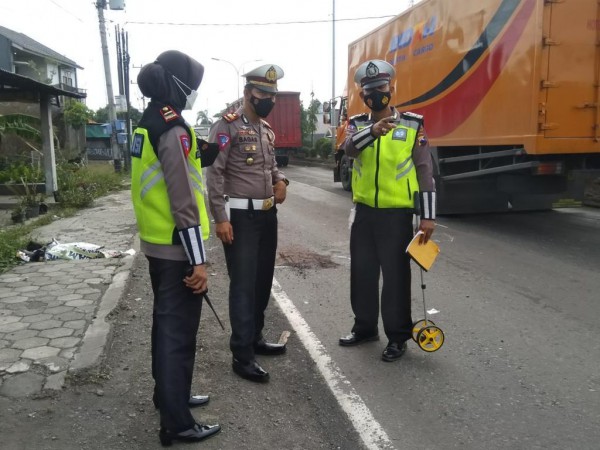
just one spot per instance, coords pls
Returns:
(418, 326)
(430, 338)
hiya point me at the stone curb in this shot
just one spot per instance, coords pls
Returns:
(97, 335)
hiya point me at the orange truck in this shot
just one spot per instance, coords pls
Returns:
(509, 90)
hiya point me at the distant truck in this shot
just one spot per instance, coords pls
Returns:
(285, 120)
(510, 92)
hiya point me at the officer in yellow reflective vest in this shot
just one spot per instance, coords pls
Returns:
(392, 164)
(167, 193)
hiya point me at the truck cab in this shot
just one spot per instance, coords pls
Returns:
(338, 118)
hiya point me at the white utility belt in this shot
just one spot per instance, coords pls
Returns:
(257, 204)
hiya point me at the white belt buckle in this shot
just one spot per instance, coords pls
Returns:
(267, 203)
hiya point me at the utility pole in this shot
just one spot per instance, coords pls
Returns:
(332, 114)
(112, 115)
(123, 71)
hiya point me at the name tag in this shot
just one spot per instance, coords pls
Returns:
(248, 139)
(399, 134)
(137, 145)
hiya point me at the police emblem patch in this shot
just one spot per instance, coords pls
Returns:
(185, 144)
(137, 145)
(372, 70)
(399, 134)
(271, 75)
(223, 139)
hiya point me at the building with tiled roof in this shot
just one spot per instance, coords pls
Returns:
(25, 56)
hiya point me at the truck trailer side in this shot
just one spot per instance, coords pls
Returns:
(285, 119)
(510, 94)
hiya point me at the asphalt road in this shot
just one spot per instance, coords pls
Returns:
(518, 301)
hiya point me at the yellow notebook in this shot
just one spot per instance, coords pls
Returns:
(423, 254)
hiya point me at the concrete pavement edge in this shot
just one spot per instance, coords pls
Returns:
(97, 335)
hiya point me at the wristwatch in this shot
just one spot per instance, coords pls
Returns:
(286, 181)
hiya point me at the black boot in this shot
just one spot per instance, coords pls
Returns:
(197, 433)
(250, 371)
(263, 347)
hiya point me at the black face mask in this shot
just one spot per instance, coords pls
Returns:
(377, 100)
(262, 106)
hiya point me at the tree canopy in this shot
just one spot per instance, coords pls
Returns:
(77, 114)
(101, 115)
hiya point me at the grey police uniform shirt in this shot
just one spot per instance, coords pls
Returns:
(184, 207)
(231, 174)
(421, 154)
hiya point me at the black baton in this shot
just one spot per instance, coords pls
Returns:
(205, 295)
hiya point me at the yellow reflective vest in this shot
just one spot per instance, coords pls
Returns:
(149, 191)
(384, 174)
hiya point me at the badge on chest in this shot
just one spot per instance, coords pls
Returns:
(248, 143)
(247, 138)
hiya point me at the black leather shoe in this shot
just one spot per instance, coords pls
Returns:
(393, 351)
(250, 371)
(195, 400)
(197, 433)
(263, 347)
(198, 400)
(355, 339)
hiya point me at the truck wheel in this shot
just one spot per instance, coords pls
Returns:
(346, 173)
(282, 161)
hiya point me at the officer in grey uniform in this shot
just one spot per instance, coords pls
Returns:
(392, 162)
(244, 186)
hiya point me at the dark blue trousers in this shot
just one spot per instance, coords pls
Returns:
(251, 264)
(175, 320)
(378, 242)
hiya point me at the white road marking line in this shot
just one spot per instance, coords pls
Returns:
(372, 434)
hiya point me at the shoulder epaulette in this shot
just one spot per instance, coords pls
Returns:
(363, 116)
(230, 117)
(168, 114)
(412, 116)
(265, 123)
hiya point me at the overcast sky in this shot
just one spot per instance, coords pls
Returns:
(298, 38)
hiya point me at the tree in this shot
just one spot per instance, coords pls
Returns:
(309, 121)
(77, 114)
(101, 115)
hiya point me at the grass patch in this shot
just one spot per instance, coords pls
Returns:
(11, 240)
(79, 186)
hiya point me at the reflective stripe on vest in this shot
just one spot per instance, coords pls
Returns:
(149, 192)
(384, 174)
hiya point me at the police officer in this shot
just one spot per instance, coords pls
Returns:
(167, 194)
(244, 185)
(392, 165)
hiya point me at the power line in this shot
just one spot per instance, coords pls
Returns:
(255, 24)
(65, 10)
